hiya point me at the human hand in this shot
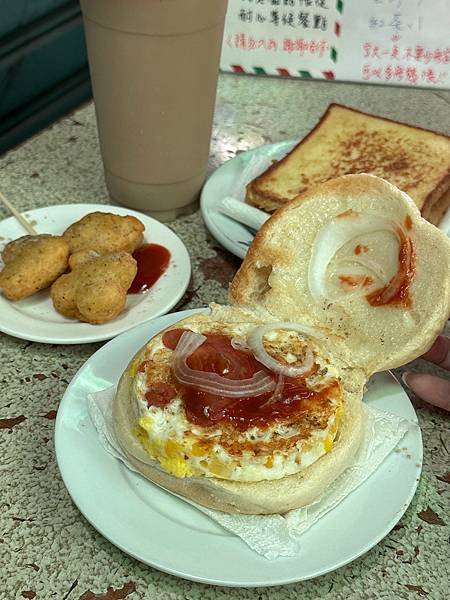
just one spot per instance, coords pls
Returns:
(431, 388)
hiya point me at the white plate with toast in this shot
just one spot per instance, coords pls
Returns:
(163, 531)
(35, 319)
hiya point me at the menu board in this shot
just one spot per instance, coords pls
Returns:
(395, 42)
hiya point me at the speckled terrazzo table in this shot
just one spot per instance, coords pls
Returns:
(47, 549)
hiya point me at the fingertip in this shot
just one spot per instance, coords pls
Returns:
(439, 353)
(405, 378)
(430, 388)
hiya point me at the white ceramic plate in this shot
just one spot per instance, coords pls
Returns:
(233, 235)
(226, 181)
(35, 319)
(163, 531)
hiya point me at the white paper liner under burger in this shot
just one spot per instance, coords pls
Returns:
(276, 536)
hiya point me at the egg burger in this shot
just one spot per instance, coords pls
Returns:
(255, 407)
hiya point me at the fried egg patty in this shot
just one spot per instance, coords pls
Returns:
(280, 448)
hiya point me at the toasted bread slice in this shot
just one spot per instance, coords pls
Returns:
(349, 141)
(277, 273)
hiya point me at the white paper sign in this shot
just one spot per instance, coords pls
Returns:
(395, 42)
(282, 37)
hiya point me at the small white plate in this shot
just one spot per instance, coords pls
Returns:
(227, 181)
(223, 182)
(35, 319)
(161, 530)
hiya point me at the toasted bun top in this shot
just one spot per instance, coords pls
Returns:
(284, 264)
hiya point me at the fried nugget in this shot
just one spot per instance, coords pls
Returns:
(104, 233)
(95, 290)
(81, 257)
(63, 296)
(32, 263)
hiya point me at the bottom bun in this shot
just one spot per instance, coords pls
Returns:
(262, 497)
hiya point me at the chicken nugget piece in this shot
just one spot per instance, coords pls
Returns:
(101, 302)
(32, 263)
(95, 290)
(120, 266)
(63, 296)
(104, 233)
(81, 257)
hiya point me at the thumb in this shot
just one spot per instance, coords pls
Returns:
(430, 388)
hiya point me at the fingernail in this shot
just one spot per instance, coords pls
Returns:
(405, 376)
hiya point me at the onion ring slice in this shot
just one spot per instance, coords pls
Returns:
(256, 343)
(332, 237)
(213, 383)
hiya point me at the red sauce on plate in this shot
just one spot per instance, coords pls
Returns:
(152, 261)
(217, 355)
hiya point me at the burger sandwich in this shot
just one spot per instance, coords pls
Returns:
(256, 407)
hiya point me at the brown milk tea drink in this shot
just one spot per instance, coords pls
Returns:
(154, 67)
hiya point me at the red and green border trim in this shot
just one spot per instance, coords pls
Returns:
(283, 72)
(337, 29)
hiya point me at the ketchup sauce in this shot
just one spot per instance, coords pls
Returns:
(361, 248)
(396, 291)
(408, 222)
(353, 281)
(152, 261)
(217, 355)
(160, 394)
